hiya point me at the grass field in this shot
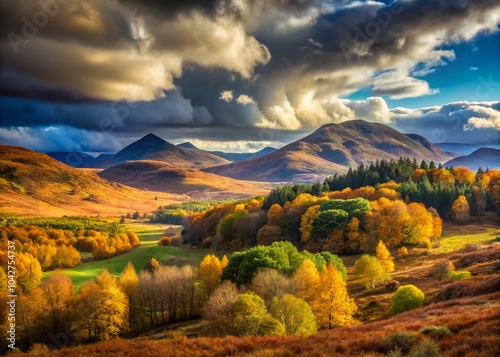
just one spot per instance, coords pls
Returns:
(149, 234)
(457, 238)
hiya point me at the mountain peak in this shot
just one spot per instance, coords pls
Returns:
(187, 145)
(152, 139)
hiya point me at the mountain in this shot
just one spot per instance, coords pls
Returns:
(72, 158)
(465, 149)
(188, 145)
(235, 157)
(164, 177)
(484, 158)
(152, 147)
(34, 183)
(333, 148)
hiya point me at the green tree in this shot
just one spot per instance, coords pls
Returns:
(295, 315)
(407, 297)
(371, 269)
(252, 318)
(327, 221)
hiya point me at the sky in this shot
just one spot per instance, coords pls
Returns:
(240, 75)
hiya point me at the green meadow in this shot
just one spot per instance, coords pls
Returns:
(149, 234)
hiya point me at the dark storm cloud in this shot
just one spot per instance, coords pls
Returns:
(287, 63)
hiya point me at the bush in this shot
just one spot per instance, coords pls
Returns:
(407, 297)
(401, 340)
(426, 348)
(435, 331)
(441, 269)
(392, 285)
(165, 241)
(459, 275)
(403, 251)
(465, 288)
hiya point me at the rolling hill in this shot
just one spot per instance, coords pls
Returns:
(34, 183)
(152, 147)
(484, 158)
(164, 177)
(333, 148)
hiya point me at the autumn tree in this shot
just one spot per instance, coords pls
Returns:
(385, 257)
(219, 308)
(306, 222)
(58, 291)
(371, 270)
(128, 283)
(209, 275)
(100, 309)
(270, 283)
(461, 209)
(294, 314)
(31, 317)
(28, 270)
(306, 279)
(252, 318)
(152, 265)
(407, 297)
(332, 304)
(441, 269)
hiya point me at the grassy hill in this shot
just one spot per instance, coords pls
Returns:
(34, 183)
(333, 148)
(164, 177)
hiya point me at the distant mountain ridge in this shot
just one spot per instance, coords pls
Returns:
(152, 147)
(486, 158)
(333, 148)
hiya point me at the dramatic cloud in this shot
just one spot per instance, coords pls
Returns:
(202, 69)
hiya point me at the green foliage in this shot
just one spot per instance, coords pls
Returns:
(426, 348)
(459, 275)
(371, 269)
(252, 318)
(327, 221)
(295, 315)
(175, 213)
(435, 330)
(73, 224)
(226, 228)
(407, 297)
(356, 207)
(281, 256)
(401, 340)
(281, 195)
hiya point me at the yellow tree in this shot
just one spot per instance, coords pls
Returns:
(306, 222)
(306, 279)
(332, 304)
(371, 270)
(29, 271)
(461, 209)
(100, 309)
(128, 283)
(58, 291)
(385, 257)
(209, 274)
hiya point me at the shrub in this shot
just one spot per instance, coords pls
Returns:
(441, 269)
(392, 285)
(403, 251)
(426, 348)
(465, 288)
(435, 331)
(407, 297)
(459, 275)
(164, 241)
(401, 340)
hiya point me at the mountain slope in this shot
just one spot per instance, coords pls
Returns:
(152, 147)
(484, 158)
(235, 156)
(161, 176)
(34, 183)
(333, 148)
